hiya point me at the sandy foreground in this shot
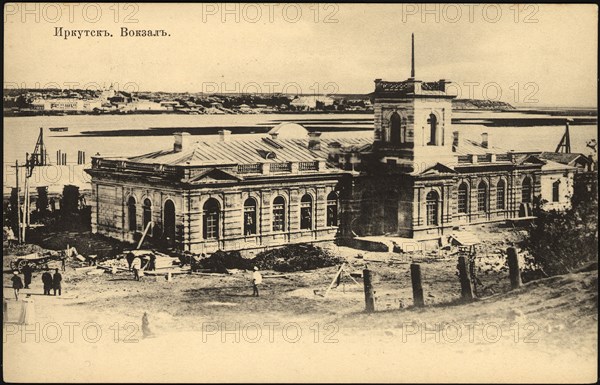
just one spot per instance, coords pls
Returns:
(210, 328)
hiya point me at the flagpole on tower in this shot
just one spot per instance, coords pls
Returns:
(412, 64)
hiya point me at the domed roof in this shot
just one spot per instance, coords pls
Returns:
(289, 130)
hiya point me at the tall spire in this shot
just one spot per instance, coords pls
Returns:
(412, 66)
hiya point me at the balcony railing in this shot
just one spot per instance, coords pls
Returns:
(249, 168)
(280, 167)
(308, 166)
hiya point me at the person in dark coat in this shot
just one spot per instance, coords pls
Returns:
(47, 280)
(56, 280)
(17, 283)
(27, 273)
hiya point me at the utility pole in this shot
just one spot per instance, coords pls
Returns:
(18, 202)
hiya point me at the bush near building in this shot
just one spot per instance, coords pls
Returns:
(561, 242)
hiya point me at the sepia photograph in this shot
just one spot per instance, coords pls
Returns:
(300, 192)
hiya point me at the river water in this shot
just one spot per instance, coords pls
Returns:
(20, 133)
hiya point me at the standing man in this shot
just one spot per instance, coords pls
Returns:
(256, 280)
(136, 265)
(17, 284)
(47, 281)
(56, 280)
(27, 273)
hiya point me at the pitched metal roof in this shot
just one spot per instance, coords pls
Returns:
(246, 151)
(470, 147)
(562, 157)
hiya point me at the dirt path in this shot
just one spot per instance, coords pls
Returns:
(210, 328)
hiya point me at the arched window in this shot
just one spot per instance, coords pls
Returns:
(332, 209)
(526, 190)
(432, 121)
(250, 216)
(169, 220)
(431, 201)
(131, 214)
(147, 212)
(463, 198)
(556, 191)
(306, 212)
(482, 197)
(501, 195)
(395, 124)
(279, 214)
(211, 219)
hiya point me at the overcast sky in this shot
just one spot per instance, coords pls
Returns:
(540, 55)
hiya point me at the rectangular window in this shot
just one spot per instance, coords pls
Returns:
(500, 197)
(556, 191)
(211, 226)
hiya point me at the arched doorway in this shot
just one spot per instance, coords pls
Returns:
(306, 212)
(501, 195)
(147, 212)
(463, 198)
(482, 197)
(169, 220)
(332, 209)
(390, 214)
(526, 190)
(131, 214)
(279, 214)
(250, 217)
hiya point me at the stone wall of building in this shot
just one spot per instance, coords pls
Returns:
(110, 215)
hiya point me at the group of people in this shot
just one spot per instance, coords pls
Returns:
(51, 282)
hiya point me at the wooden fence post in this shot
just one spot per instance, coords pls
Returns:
(514, 271)
(369, 294)
(466, 287)
(415, 275)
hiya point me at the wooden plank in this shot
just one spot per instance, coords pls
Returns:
(144, 235)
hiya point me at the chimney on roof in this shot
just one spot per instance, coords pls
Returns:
(484, 140)
(314, 140)
(274, 135)
(224, 135)
(455, 139)
(182, 142)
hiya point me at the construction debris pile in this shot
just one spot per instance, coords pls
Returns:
(220, 261)
(296, 258)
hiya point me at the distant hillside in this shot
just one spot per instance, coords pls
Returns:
(480, 104)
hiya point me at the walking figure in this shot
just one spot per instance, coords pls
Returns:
(17, 283)
(27, 273)
(27, 316)
(56, 280)
(136, 266)
(256, 280)
(47, 281)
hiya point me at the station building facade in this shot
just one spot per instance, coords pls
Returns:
(416, 178)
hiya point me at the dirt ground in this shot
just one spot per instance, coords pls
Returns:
(210, 328)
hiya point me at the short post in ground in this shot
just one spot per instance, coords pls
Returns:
(417, 286)
(514, 270)
(369, 293)
(466, 286)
